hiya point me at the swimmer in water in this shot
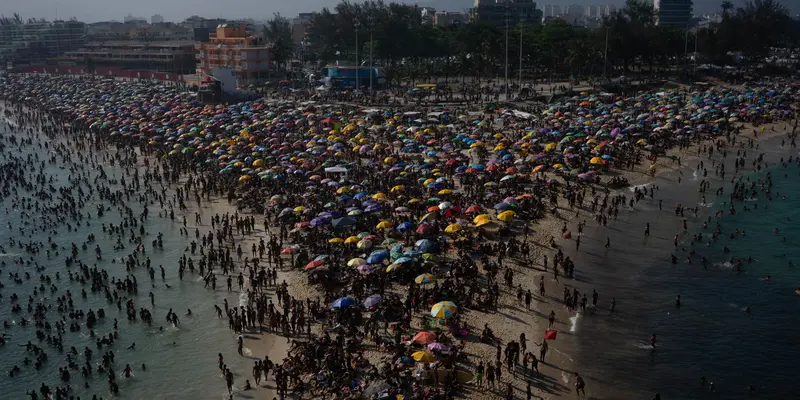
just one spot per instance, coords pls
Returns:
(653, 341)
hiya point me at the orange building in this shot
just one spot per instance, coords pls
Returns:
(248, 56)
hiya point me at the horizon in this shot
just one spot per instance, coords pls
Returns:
(92, 11)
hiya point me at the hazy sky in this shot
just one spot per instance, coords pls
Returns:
(178, 10)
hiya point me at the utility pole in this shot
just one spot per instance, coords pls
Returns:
(506, 18)
(519, 83)
(358, 65)
(371, 46)
(694, 63)
(605, 56)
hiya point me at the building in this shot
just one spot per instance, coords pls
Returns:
(130, 19)
(445, 18)
(673, 12)
(428, 15)
(35, 42)
(232, 48)
(502, 13)
(301, 34)
(573, 14)
(156, 56)
(156, 19)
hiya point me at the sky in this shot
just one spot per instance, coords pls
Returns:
(178, 10)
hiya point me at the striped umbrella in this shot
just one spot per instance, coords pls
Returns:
(443, 309)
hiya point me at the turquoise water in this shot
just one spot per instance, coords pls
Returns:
(710, 335)
(181, 362)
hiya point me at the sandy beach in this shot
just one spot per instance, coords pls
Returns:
(506, 315)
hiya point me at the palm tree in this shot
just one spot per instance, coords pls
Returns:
(726, 7)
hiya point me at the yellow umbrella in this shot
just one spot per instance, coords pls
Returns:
(550, 147)
(354, 262)
(379, 196)
(393, 267)
(453, 228)
(641, 141)
(384, 225)
(483, 222)
(596, 160)
(342, 190)
(557, 166)
(336, 240)
(426, 216)
(352, 240)
(506, 216)
(482, 217)
(398, 188)
(423, 356)
(414, 200)
(299, 209)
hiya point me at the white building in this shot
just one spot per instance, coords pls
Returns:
(156, 19)
(673, 12)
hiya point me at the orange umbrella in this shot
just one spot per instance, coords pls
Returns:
(425, 337)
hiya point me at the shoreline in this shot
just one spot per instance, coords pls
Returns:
(507, 322)
(599, 386)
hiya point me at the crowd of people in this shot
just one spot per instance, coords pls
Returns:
(405, 221)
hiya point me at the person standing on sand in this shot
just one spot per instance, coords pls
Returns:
(479, 374)
(608, 242)
(580, 385)
(543, 350)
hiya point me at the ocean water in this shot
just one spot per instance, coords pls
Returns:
(181, 362)
(710, 335)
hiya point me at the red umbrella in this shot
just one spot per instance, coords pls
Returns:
(423, 229)
(313, 264)
(473, 209)
(425, 337)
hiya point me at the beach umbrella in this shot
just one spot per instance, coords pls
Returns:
(377, 256)
(453, 228)
(364, 244)
(596, 161)
(424, 229)
(424, 245)
(443, 309)
(425, 337)
(372, 301)
(506, 216)
(479, 218)
(436, 346)
(354, 262)
(343, 222)
(313, 264)
(343, 302)
(336, 240)
(424, 279)
(430, 215)
(405, 226)
(473, 209)
(351, 240)
(423, 356)
(298, 209)
(384, 225)
(402, 260)
(503, 206)
(388, 242)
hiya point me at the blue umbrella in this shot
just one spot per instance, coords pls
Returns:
(405, 226)
(372, 301)
(402, 260)
(377, 256)
(424, 245)
(343, 302)
(319, 221)
(412, 253)
(502, 206)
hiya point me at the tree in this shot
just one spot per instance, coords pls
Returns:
(278, 31)
(726, 7)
